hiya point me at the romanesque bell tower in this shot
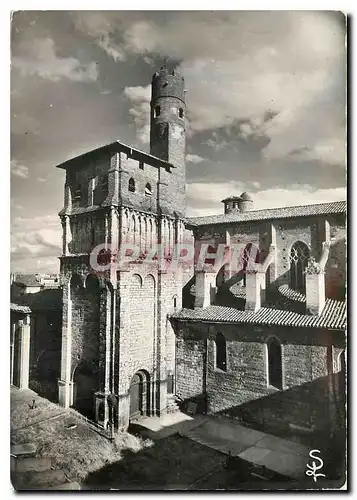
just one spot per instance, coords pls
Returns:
(118, 347)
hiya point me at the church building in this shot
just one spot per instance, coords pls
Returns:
(264, 345)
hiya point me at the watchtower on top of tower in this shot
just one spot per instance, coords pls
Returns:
(166, 84)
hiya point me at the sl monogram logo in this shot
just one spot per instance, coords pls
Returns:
(315, 467)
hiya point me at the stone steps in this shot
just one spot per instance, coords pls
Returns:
(31, 464)
(31, 473)
(39, 480)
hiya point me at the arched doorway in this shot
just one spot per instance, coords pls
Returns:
(85, 384)
(139, 395)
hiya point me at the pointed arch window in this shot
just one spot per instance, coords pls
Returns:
(275, 367)
(131, 185)
(221, 352)
(157, 111)
(299, 256)
(181, 112)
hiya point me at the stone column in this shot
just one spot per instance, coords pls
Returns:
(161, 384)
(24, 357)
(13, 345)
(123, 411)
(66, 234)
(65, 384)
(315, 291)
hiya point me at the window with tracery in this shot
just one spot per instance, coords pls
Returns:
(299, 256)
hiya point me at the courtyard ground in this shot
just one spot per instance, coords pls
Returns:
(62, 437)
(175, 452)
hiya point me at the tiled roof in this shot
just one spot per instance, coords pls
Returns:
(334, 207)
(333, 316)
(134, 153)
(27, 280)
(20, 309)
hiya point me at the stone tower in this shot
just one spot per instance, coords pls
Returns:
(118, 348)
(167, 134)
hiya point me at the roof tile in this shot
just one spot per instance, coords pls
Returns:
(271, 213)
(332, 316)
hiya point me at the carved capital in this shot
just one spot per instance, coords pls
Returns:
(313, 267)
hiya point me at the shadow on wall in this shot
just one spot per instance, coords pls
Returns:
(188, 294)
(300, 413)
(335, 276)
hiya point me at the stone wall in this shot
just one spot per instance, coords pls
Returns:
(284, 233)
(242, 391)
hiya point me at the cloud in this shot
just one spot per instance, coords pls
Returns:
(19, 170)
(329, 151)
(241, 65)
(38, 57)
(190, 158)
(203, 200)
(35, 238)
(110, 48)
(140, 110)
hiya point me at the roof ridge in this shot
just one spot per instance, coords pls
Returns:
(267, 213)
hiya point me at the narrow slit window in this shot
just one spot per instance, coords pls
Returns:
(77, 193)
(221, 352)
(148, 190)
(132, 185)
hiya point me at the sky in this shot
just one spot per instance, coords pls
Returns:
(265, 107)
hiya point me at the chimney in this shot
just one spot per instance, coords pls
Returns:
(238, 204)
(245, 202)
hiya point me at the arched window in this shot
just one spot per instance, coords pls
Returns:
(92, 284)
(148, 191)
(221, 352)
(275, 369)
(299, 255)
(76, 282)
(131, 185)
(157, 111)
(181, 113)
